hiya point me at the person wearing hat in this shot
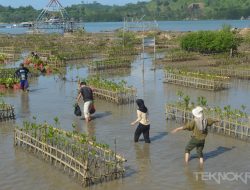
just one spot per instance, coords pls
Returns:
(198, 126)
(22, 73)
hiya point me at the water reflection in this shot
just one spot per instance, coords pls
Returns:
(143, 160)
(193, 177)
(80, 126)
(25, 107)
(101, 115)
(90, 129)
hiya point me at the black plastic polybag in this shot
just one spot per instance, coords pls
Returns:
(77, 110)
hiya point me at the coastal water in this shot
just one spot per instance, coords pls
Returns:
(155, 166)
(162, 25)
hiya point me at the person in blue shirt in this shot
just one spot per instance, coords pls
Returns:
(22, 73)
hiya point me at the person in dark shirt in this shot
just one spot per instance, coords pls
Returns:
(22, 73)
(87, 95)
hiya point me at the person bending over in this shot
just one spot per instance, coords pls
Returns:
(87, 95)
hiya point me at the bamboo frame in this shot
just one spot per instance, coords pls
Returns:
(195, 82)
(7, 50)
(8, 72)
(87, 162)
(230, 127)
(109, 64)
(125, 97)
(230, 72)
(7, 112)
(110, 72)
(10, 52)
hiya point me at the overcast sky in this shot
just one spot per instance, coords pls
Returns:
(39, 4)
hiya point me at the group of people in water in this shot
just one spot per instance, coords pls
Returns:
(198, 126)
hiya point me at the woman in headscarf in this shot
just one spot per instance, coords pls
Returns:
(143, 122)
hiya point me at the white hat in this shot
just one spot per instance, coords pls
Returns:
(197, 112)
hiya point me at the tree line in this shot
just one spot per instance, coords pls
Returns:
(152, 10)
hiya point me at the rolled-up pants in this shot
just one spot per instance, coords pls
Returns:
(199, 144)
(86, 106)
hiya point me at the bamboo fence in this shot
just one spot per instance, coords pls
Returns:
(10, 52)
(122, 52)
(75, 54)
(7, 112)
(126, 96)
(230, 72)
(109, 64)
(8, 72)
(111, 72)
(185, 64)
(195, 82)
(237, 128)
(82, 159)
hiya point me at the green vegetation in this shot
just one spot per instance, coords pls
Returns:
(3, 57)
(180, 55)
(8, 78)
(9, 82)
(210, 41)
(52, 135)
(196, 74)
(107, 84)
(153, 10)
(226, 112)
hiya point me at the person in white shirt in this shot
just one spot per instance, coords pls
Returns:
(143, 122)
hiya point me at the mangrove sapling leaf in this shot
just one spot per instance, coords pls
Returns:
(57, 122)
(243, 107)
(227, 110)
(186, 101)
(50, 133)
(26, 125)
(74, 125)
(180, 94)
(69, 134)
(94, 138)
(93, 152)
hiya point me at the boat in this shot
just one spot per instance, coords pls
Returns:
(26, 24)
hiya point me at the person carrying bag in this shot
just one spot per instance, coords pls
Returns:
(87, 95)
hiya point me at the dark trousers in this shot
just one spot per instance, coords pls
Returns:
(24, 84)
(195, 143)
(142, 129)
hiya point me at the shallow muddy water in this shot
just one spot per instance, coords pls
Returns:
(158, 165)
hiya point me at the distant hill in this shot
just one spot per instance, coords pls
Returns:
(153, 10)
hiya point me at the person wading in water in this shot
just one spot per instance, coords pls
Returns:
(144, 124)
(199, 128)
(87, 94)
(22, 73)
